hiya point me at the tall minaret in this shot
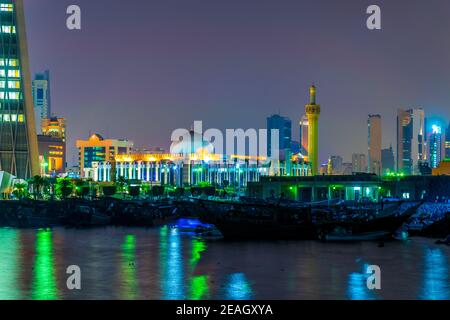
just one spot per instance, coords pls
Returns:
(313, 113)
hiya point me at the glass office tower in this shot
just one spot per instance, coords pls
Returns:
(18, 141)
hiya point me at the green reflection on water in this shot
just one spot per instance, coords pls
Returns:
(128, 268)
(199, 288)
(199, 284)
(197, 248)
(44, 284)
(9, 264)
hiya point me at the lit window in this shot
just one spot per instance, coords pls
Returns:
(8, 29)
(14, 117)
(2, 84)
(14, 95)
(6, 118)
(7, 7)
(9, 62)
(12, 84)
(21, 118)
(13, 73)
(2, 73)
(13, 62)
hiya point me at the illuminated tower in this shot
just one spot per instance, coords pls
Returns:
(18, 141)
(313, 113)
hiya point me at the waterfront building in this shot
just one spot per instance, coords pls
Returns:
(359, 162)
(304, 128)
(388, 160)
(192, 161)
(195, 169)
(374, 144)
(284, 127)
(436, 146)
(97, 149)
(52, 155)
(42, 97)
(332, 189)
(313, 113)
(411, 149)
(18, 140)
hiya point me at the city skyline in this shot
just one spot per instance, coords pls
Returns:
(177, 67)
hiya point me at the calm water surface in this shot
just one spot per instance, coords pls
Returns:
(163, 263)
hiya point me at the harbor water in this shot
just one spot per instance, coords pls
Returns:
(165, 263)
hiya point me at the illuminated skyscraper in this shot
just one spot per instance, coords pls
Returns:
(42, 97)
(18, 141)
(374, 144)
(313, 113)
(436, 145)
(410, 140)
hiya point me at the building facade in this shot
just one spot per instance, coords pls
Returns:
(18, 140)
(374, 144)
(54, 126)
(304, 129)
(52, 155)
(359, 162)
(388, 160)
(194, 169)
(335, 165)
(97, 149)
(411, 149)
(284, 127)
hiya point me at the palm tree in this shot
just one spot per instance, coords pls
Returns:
(20, 190)
(64, 188)
(36, 183)
(121, 184)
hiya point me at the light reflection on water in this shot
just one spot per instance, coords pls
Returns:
(436, 278)
(357, 285)
(164, 263)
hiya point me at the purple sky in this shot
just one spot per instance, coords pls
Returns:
(140, 68)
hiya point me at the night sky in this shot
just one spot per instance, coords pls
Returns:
(139, 69)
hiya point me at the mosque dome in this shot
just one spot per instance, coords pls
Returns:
(191, 143)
